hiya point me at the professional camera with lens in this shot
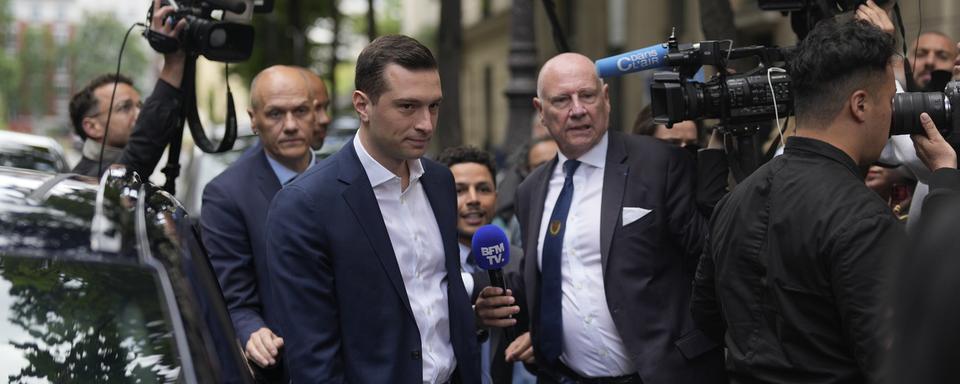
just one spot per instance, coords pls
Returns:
(228, 38)
(940, 106)
(757, 95)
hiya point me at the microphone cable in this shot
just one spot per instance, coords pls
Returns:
(113, 95)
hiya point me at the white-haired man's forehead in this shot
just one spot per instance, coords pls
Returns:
(540, 86)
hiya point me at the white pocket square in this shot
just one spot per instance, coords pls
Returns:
(631, 214)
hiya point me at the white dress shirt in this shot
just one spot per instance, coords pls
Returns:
(592, 346)
(284, 174)
(416, 241)
(466, 269)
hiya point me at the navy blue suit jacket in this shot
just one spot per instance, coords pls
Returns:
(234, 214)
(648, 265)
(343, 306)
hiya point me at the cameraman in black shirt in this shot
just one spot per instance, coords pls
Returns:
(137, 135)
(793, 277)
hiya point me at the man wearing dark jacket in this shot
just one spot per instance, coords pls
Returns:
(475, 177)
(235, 208)
(793, 274)
(116, 133)
(611, 238)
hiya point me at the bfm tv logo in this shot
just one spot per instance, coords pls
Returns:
(493, 253)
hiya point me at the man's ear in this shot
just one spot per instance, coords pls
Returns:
(606, 95)
(858, 105)
(360, 104)
(253, 127)
(92, 128)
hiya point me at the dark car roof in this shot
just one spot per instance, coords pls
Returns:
(120, 220)
(31, 152)
(43, 211)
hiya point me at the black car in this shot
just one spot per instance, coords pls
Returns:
(27, 151)
(106, 281)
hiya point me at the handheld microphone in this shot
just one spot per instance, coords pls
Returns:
(652, 57)
(491, 251)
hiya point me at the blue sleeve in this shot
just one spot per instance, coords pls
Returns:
(302, 276)
(226, 238)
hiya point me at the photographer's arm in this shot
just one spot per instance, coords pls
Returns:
(158, 120)
(712, 173)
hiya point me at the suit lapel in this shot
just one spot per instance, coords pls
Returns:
(536, 212)
(441, 204)
(363, 202)
(615, 174)
(268, 183)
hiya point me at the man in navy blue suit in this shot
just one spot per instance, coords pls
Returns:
(235, 205)
(363, 251)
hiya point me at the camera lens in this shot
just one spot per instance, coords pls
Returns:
(218, 37)
(908, 106)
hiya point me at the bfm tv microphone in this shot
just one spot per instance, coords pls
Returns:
(491, 251)
(654, 56)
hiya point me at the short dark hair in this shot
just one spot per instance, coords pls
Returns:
(396, 49)
(82, 102)
(836, 58)
(468, 154)
(644, 125)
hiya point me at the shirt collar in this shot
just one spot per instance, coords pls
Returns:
(805, 144)
(377, 173)
(464, 254)
(596, 157)
(284, 174)
(91, 150)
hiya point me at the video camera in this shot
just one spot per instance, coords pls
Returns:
(219, 30)
(228, 39)
(738, 100)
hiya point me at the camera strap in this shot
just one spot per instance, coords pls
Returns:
(190, 116)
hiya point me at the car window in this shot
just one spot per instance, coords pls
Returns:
(83, 322)
(36, 160)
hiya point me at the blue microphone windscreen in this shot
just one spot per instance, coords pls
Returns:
(654, 56)
(491, 248)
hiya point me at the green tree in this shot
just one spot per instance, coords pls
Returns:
(38, 54)
(9, 67)
(281, 36)
(95, 47)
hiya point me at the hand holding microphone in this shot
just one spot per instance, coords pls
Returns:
(495, 304)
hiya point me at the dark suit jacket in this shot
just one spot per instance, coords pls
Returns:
(648, 266)
(234, 215)
(343, 306)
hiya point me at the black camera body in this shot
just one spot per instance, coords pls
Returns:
(750, 97)
(218, 40)
(734, 99)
